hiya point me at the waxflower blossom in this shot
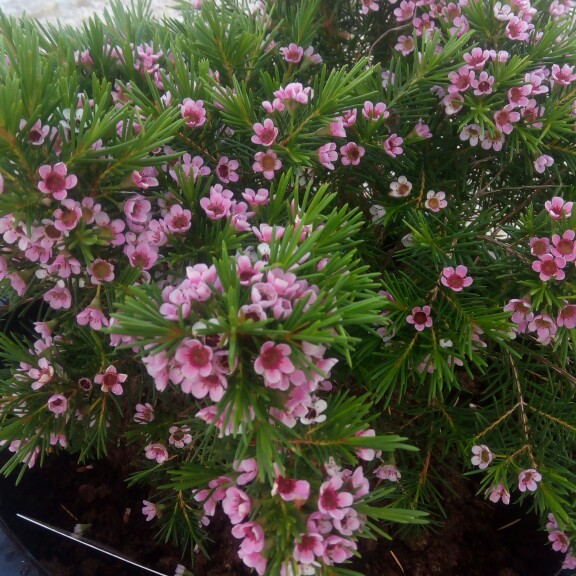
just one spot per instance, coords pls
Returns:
(236, 505)
(267, 163)
(226, 170)
(149, 510)
(289, 489)
(111, 381)
(333, 502)
(505, 118)
(156, 451)
(405, 45)
(550, 267)
(542, 162)
(58, 404)
(266, 133)
(369, 6)
(558, 208)
(58, 297)
(499, 492)
(456, 279)
(393, 145)
(293, 53)
(274, 364)
(144, 413)
(374, 112)
(101, 271)
(472, 133)
(528, 480)
(56, 181)
(193, 112)
(388, 472)
(420, 318)
(483, 84)
(378, 212)
(328, 155)
(567, 316)
(544, 326)
(351, 154)
(93, 316)
(482, 456)
(435, 201)
(401, 188)
(36, 133)
(179, 436)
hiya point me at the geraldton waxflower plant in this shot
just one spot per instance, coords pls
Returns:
(275, 247)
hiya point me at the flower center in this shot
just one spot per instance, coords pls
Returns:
(268, 162)
(420, 317)
(271, 359)
(54, 182)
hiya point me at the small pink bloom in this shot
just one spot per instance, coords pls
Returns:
(435, 201)
(57, 404)
(461, 80)
(273, 364)
(226, 170)
(289, 489)
(498, 493)
(253, 538)
(334, 503)
(111, 381)
(482, 456)
(56, 181)
(293, 53)
(149, 510)
(194, 357)
(518, 95)
(550, 267)
(219, 205)
(236, 505)
(453, 103)
(178, 220)
(369, 5)
(36, 133)
(142, 255)
(558, 209)
(179, 436)
(420, 318)
(374, 112)
(422, 129)
(327, 154)
(93, 316)
(539, 246)
(565, 245)
(483, 84)
(249, 470)
(567, 316)
(145, 178)
(528, 479)
(101, 271)
(157, 451)
(517, 29)
(401, 188)
(267, 163)
(393, 145)
(476, 58)
(405, 11)
(456, 279)
(260, 198)
(265, 133)
(58, 297)
(505, 118)
(562, 76)
(405, 45)
(542, 162)
(544, 327)
(560, 542)
(193, 112)
(144, 413)
(351, 154)
(471, 133)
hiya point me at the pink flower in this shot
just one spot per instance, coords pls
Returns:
(558, 209)
(393, 145)
(560, 542)
(472, 133)
(260, 198)
(193, 112)
(388, 472)
(550, 267)
(111, 381)
(527, 480)
(290, 489)
(542, 162)
(253, 538)
(505, 118)
(55, 180)
(564, 246)
(293, 53)
(249, 469)
(420, 318)
(476, 58)
(369, 5)
(137, 209)
(157, 451)
(93, 316)
(194, 357)
(563, 76)
(145, 178)
(331, 502)
(142, 255)
(41, 375)
(337, 129)
(179, 436)
(456, 279)
(495, 141)
(401, 188)
(265, 133)
(405, 11)
(483, 84)
(405, 45)
(327, 154)
(544, 327)
(101, 271)
(57, 404)
(144, 413)
(422, 130)
(267, 163)
(498, 493)
(273, 364)
(149, 510)
(236, 505)
(226, 170)
(351, 154)
(374, 112)
(482, 456)
(567, 316)
(36, 133)
(435, 201)
(219, 205)
(59, 297)
(178, 220)
(461, 80)
(517, 29)
(453, 103)
(308, 547)
(338, 550)
(522, 312)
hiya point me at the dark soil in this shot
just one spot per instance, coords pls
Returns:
(477, 539)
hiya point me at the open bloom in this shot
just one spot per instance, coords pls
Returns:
(56, 181)
(435, 201)
(388, 472)
(293, 53)
(328, 155)
(420, 318)
(542, 162)
(550, 267)
(267, 163)
(289, 489)
(351, 154)
(558, 208)
(393, 145)
(498, 493)
(193, 112)
(456, 279)
(236, 505)
(156, 451)
(528, 479)
(482, 456)
(401, 188)
(273, 364)
(111, 381)
(57, 404)
(149, 510)
(265, 133)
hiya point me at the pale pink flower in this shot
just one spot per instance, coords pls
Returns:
(562, 76)
(374, 112)
(505, 118)
(178, 220)
(518, 95)
(219, 205)
(528, 479)
(145, 178)
(274, 364)
(550, 267)
(93, 316)
(266, 133)
(194, 357)
(369, 5)
(539, 246)
(259, 198)
(193, 112)
(405, 11)
(482, 456)
(453, 103)
(58, 404)
(495, 142)
(544, 327)
(560, 542)
(558, 209)
(267, 163)
(332, 502)
(498, 493)
(337, 129)
(142, 255)
(518, 29)
(58, 297)
(522, 312)
(144, 413)
(422, 129)
(351, 154)
(567, 316)
(101, 271)
(393, 145)
(137, 209)
(405, 45)
(236, 505)
(179, 436)
(327, 155)
(309, 546)
(56, 181)
(36, 133)
(338, 550)
(542, 162)
(456, 279)
(400, 188)
(461, 80)
(564, 246)
(293, 53)
(483, 84)
(149, 510)
(226, 170)
(435, 201)
(420, 318)
(476, 58)
(503, 12)
(311, 56)
(41, 375)
(253, 537)
(111, 381)
(289, 489)
(569, 562)
(378, 212)
(157, 451)
(349, 118)
(248, 468)
(471, 133)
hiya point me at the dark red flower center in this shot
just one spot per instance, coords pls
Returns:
(54, 182)
(271, 358)
(420, 317)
